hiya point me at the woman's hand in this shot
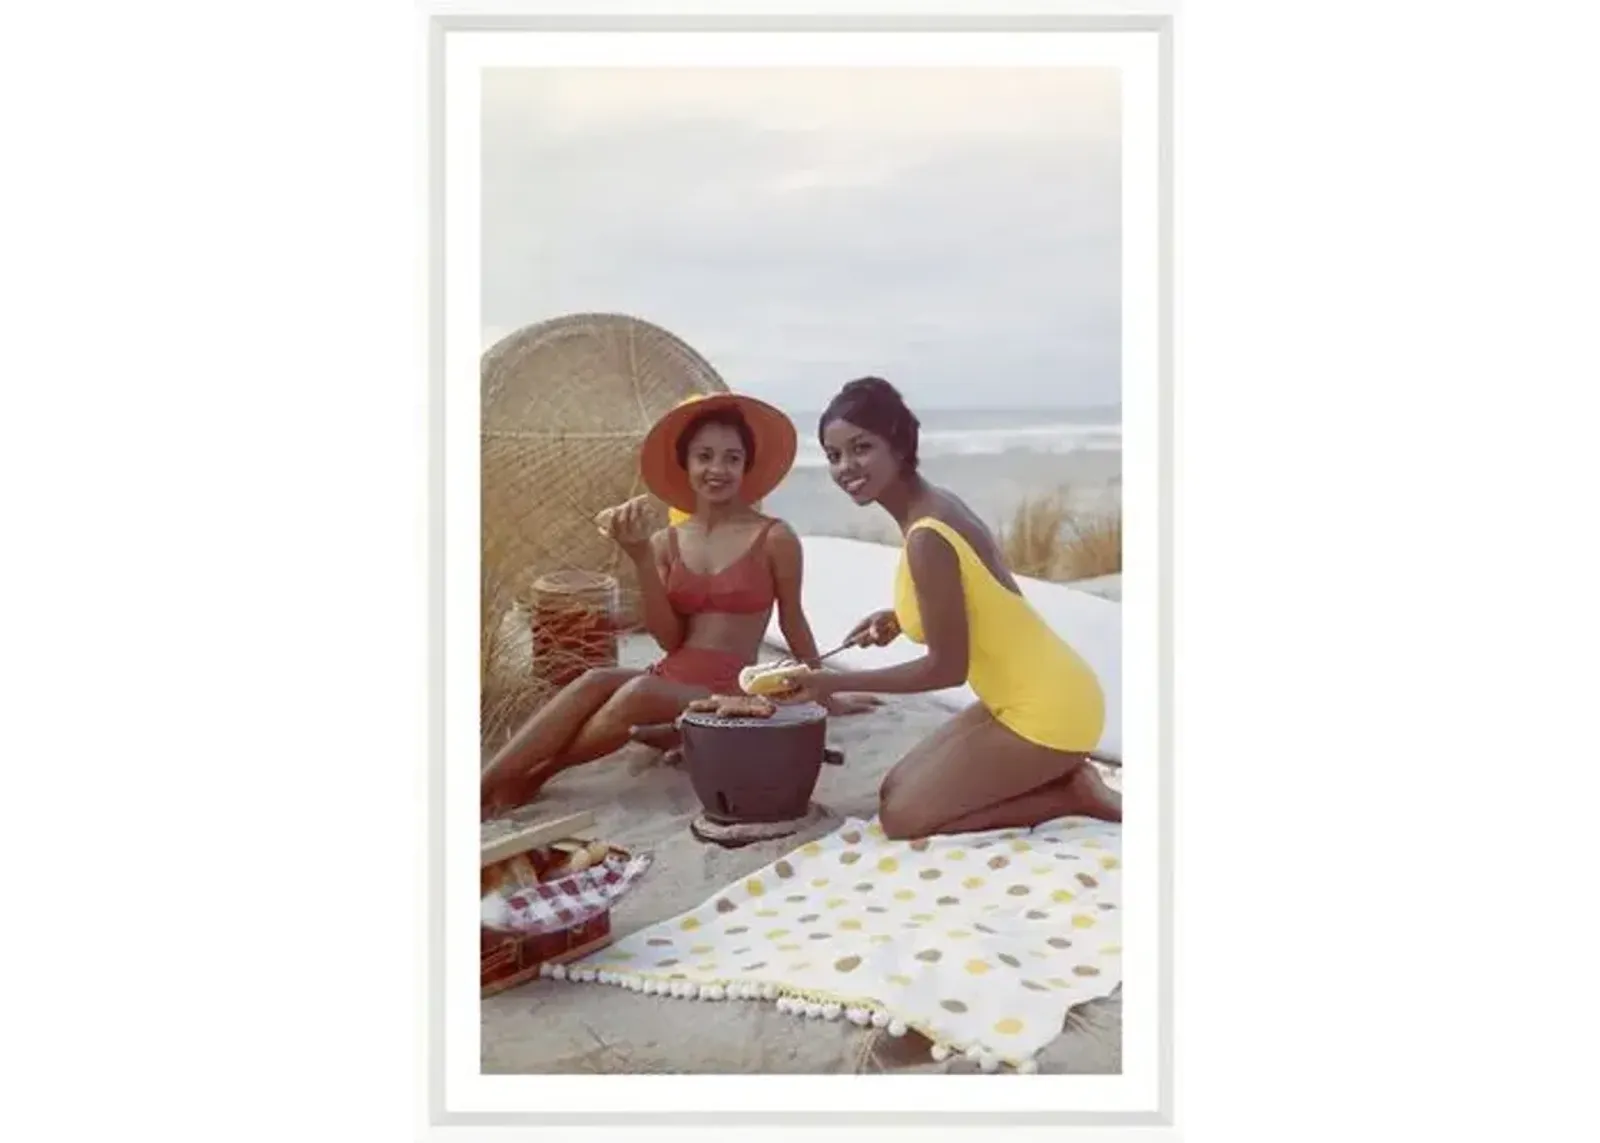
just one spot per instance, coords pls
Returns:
(629, 525)
(876, 630)
(809, 686)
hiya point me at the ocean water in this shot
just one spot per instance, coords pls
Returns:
(994, 459)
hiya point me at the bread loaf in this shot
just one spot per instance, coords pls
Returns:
(603, 520)
(771, 679)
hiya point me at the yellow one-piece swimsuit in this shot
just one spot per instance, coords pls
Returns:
(1028, 677)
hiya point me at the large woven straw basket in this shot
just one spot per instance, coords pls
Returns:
(566, 405)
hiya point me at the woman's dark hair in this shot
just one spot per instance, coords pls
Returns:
(730, 417)
(876, 405)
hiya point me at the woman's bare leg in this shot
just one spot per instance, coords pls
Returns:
(641, 701)
(974, 774)
(545, 734)
(1082, 793)
(975, 715)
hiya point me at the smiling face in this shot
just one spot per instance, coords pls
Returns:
(860, 461)
(715, 461)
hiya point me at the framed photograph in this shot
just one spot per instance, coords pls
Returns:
(802, 404)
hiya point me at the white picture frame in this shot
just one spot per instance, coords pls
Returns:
(462, 39)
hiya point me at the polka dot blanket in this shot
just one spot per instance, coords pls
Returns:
(981, 942)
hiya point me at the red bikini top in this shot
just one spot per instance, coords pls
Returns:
(744, 587)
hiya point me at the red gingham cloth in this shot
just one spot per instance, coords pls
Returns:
(571, 900)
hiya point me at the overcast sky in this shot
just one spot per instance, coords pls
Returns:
(956, 231)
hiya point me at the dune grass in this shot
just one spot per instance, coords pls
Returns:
(1051, 538)
(508, 693)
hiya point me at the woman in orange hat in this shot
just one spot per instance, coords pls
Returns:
(708, 583)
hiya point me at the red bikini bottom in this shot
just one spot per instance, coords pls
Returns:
(717, 671)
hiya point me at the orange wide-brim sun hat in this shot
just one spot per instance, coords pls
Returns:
(775, 441)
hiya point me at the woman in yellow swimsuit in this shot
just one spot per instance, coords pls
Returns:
(1020, 755)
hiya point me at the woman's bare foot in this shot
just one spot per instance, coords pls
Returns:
(661, 736)
(843, 704)
(1085, 794)
(510, 792)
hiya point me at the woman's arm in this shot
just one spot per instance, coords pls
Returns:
(650, 562)
(787, 561)
(936, 574)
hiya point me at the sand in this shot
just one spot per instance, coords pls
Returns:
(547, 1026)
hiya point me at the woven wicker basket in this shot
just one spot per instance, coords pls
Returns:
(566, 405)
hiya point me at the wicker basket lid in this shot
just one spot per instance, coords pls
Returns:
(566, 405)
(591, 374)
(574, 581)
